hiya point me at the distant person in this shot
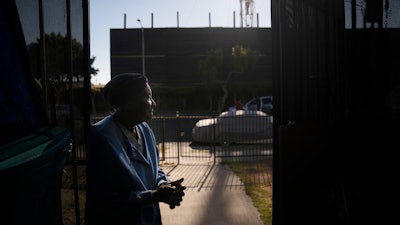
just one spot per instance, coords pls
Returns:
(124, 180)
(239, 105)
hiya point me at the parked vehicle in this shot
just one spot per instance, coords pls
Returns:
(262, 103)
(238, 126)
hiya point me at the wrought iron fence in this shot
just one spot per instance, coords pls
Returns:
(205, 138)
(230, 136)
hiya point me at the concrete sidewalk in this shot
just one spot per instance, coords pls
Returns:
(214, 196)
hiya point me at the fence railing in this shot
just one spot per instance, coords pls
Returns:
(193, 138)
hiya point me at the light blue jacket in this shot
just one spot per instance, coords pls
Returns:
(120, 178)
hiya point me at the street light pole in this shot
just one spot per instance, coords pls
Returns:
(140, 22)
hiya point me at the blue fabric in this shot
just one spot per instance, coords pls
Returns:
(120, 178)
(21, 106)
(16, 107)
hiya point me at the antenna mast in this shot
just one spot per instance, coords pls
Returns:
(246, 12)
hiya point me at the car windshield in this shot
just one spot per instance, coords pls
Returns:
(267, 100)
(254, 104)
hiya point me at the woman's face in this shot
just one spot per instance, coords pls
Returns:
(148, 103)
(141, 108)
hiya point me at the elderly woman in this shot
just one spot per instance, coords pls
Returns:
(124, 180)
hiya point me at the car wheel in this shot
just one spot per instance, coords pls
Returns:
(223, 139)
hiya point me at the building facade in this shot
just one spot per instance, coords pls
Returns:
(171, 55)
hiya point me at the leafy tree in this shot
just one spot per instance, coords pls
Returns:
(244, 59)
(211, 66)
(241, 60)
(56, 58)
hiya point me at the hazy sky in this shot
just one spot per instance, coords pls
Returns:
(106, 15)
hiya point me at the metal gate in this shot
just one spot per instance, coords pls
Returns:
(177, 146)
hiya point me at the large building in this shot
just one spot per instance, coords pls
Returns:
(172, 54)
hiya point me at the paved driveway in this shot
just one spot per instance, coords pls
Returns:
(215, 196)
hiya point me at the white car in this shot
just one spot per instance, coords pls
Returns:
(262, 103)
(239, 126)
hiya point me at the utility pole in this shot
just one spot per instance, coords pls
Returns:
(143, 70)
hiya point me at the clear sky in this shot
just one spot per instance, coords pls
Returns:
(106, 15)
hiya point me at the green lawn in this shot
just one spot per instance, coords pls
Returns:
(257, 179)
